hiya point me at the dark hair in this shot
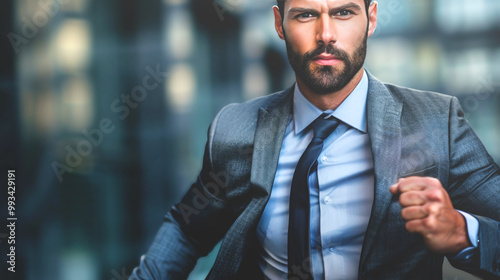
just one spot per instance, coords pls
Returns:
(281, 7)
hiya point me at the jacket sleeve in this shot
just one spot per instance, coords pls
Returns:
(193, 227)
(475, 188)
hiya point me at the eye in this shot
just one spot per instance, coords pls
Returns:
(344, 13)
(304, 15)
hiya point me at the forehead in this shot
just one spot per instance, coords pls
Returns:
(322, 3)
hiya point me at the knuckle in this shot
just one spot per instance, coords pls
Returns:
(435, 194)
(431, 181)
(435, 181)
(432, 208)
(412, 226)
(402, 198)
(405, 213)
(410, 195)
(411, 198)
(428, 223)
(409, 227)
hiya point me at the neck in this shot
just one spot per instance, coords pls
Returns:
(330, 100)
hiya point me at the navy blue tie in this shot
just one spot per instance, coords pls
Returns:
(299, 247)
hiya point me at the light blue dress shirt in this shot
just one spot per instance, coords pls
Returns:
(341, 192)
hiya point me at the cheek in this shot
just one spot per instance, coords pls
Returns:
(350, 42)
(301, 39)
(350, 34)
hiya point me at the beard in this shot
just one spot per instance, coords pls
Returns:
(326, 79)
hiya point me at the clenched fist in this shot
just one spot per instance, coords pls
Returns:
(427, 210)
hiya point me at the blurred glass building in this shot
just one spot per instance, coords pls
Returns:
(106, 104)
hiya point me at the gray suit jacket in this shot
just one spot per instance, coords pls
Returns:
(411, 133)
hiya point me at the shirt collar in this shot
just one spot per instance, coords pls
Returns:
(351, 111)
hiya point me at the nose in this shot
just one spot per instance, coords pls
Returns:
(325, 30)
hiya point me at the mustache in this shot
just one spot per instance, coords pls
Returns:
(329, 49)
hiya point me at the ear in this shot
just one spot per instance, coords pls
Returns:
(278, 23)
(372, 18)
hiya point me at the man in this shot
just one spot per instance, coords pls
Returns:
(338, 177)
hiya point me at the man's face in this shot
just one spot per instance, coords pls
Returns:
(326, 41)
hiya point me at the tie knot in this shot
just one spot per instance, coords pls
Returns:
(323, 127)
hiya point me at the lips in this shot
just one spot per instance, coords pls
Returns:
(326, 56)
(326, 59)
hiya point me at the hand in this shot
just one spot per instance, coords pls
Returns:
(427, 210)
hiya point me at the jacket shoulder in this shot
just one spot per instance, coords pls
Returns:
(252, 106)
(246, 113)
(419, 98)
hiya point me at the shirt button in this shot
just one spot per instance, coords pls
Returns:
(327, 199)
(323, 159)
(332, 249)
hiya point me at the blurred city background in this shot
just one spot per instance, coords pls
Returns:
(105, 107)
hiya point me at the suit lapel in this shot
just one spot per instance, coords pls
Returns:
(384, 130)
(269, 134)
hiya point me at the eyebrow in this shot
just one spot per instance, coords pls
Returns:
(350, 5)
